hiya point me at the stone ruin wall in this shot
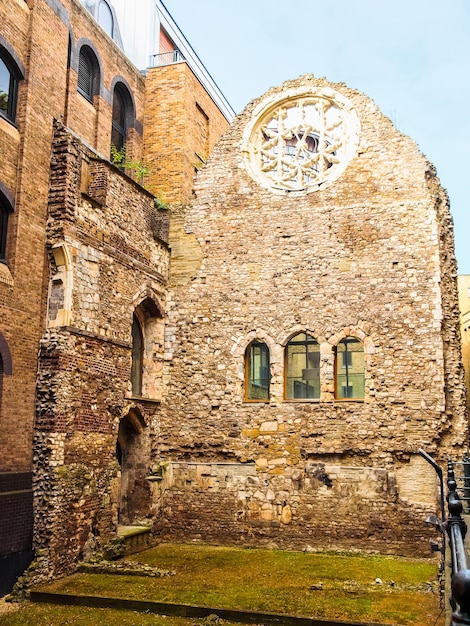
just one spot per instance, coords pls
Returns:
(105, 257)
(371, 255)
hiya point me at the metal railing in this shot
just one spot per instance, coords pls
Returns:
(462, 478)
(456, 529)
(166, 58)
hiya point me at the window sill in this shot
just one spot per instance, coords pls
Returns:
(9, 126)
(144, 399)
(302, 400)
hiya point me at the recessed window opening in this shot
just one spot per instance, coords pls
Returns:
(257, 371)
(88, 73)
(9, 78)
(5, 365)
(350, 369)
(5, 210)
(302, 368)
(118, 131)
(137, 357)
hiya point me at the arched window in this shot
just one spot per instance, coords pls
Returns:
(119, 126)
(5, 364)
(350, 369)
(147, 350)
(10, 76)
(5, 210)
(137, 357)
(257, 372)
(302, 368)
(105, 18)
(88, 73)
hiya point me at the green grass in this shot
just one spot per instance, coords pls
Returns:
(29, 614)
(277, 581)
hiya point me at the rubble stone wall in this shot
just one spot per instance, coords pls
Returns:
(104, 261)
(325, 507)
(369, 255)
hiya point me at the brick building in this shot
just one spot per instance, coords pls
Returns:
(254, 357)
(68, 89)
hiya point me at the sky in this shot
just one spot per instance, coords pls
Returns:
(412, 57)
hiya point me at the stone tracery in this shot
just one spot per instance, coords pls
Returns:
(302, 141)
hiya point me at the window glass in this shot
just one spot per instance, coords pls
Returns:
(4, 211)
(137, 358)
(302, 368)
(4, 86)
(118, 131)
(350, 369)
(105, 18)
(8, 89)
(257, 371)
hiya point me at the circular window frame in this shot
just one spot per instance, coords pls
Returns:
(339, 142)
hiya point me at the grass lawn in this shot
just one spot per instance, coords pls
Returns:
(29, 614)
(318, 585)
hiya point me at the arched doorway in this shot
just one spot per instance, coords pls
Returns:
(132, 452)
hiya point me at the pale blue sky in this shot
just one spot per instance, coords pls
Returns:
(411, 56)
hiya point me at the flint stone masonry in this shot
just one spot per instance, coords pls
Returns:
(104, 262)
(86, 248)
(368, 255)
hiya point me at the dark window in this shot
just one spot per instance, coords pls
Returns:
(137, 358)
(9, 78)
(350, 369)
(302, 368)
(5, 210)
(257, 371)
(88, 73)
(1, 382)
(5, 364)
(118, 131)
(105, 18)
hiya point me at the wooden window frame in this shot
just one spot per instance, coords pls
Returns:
(248, 377)
(309, 341)
(337, 367)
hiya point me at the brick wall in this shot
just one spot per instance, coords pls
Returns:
(16, 512)
(181, 122)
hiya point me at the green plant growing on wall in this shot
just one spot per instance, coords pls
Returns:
(138, 170)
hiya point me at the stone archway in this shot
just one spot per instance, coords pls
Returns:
(132, 452)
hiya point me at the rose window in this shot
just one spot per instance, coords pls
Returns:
(301, 142)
